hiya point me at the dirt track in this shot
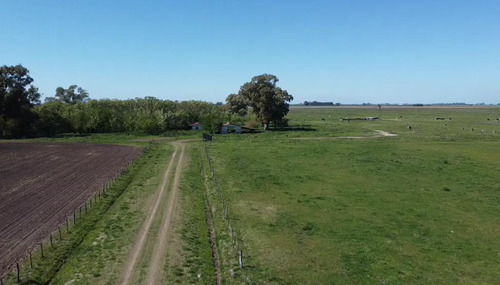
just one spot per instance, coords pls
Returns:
(155, 262)
(41, 184)
(378, 133)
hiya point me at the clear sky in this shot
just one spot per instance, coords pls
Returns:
(352, 51)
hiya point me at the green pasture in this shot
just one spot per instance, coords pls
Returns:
(418, 208)
(323, 201)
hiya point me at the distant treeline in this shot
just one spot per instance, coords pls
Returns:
(316, 103)
(144, 116)
(70, 110)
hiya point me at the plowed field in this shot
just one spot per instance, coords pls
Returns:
(41, 184)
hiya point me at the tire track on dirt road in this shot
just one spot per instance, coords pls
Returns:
(155, 263)
(139, 243)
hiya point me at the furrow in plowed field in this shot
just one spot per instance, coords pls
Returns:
(41, 184)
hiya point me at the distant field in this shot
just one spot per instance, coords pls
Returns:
(417, 208)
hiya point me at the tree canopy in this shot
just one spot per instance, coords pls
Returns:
(237, 104)
(17, 99)
(268, 102)
(72, 95)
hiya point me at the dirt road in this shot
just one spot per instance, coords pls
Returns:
(166, 197)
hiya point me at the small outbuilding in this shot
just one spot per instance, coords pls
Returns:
(230, 129)
(196, 126)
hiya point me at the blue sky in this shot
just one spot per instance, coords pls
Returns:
(341, 51)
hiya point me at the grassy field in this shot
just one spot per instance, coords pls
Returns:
(94, 251)
(324, 201)
(419, 208)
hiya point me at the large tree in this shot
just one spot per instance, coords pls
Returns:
(72, 95)
(268, 102)
(17, 98)
(236, 104)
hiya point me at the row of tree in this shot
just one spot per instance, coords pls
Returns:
(259, 101)
(142, 116)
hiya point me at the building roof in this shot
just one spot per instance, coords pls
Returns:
(229, 124)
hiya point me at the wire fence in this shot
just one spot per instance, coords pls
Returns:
(57, 235)
(231, 230)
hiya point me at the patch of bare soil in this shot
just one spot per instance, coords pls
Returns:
(385, 134)
(378, 133)
(41, 184)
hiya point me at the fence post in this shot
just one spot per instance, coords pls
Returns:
(41, 249)
(18, 273)
(50, 237)
(67, 225)
(241, 259)
(74, 218)
(31, 261)
(60, 235)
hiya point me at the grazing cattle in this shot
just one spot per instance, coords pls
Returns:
(439, 118)
(323, 119)
(409, 127)
(463, 129)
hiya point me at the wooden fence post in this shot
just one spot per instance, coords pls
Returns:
(41, 249)
(74, 218)
(67, 225)
(232, 233)
(31, 261)
(50, 237)
(241, 259)
(18, 273)
(60, 235)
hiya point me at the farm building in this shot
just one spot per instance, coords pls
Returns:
(196, 126)
(230, 128)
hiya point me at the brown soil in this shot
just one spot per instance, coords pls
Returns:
(42, 184)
